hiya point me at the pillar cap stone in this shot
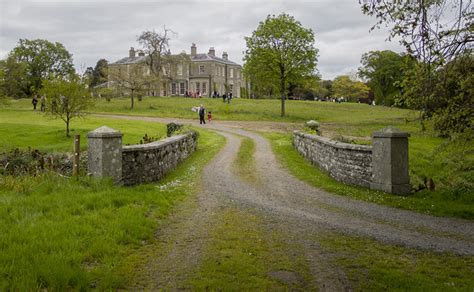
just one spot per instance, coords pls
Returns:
(390, 132)
(104, 132)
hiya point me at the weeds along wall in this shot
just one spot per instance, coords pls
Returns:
(134, 164)
(347, 163)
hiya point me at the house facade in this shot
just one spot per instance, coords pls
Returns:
(194, 73)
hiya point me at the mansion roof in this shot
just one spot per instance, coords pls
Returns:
(195, 58)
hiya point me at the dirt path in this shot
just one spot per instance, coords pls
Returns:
(295, 208)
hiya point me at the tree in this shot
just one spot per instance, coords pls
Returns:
(438, 33)
(66, 99)
(99, 73)
(433, 31)
(384, 71)
(133, 81)
(156, 47)
(343, 86)
(280, 50)
(36, 61)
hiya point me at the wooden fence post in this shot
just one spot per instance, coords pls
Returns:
(77, 152)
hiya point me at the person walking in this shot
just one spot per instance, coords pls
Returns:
(229, 97)
(209, 116)
(202, 112)
(34, 101)
(224, 96)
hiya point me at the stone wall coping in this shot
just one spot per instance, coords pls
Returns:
(104, 132)
(335, 144)
(154, 145)
(390, 132)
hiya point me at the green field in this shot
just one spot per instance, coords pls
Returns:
(358, 119)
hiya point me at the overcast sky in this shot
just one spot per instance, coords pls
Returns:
(91, 30)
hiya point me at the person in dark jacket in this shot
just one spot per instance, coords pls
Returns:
(202, 113)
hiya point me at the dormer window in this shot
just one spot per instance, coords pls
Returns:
(201, 69)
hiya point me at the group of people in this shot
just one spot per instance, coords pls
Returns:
(193, 94)
(42, 102)
(202, 114)
(197, 94)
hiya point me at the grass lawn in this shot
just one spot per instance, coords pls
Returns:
(78, 233)
(359, 119)
(456, 199)
(23, 129)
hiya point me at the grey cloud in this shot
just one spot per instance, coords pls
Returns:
(106, 29)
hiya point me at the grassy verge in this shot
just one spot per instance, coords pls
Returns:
(448, 202)
(242, 257)
(78, 234)
(244, 164)
(372, 266)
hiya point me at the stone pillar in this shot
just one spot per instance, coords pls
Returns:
(390, 161)
(105, 153)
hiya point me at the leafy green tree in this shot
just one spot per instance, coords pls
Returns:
(279, 51)
(66, 99)
(384, 71)
(99, 73)
(35, 61)
(450, 104)
(15, 78)
(438, 34)
(344, 86)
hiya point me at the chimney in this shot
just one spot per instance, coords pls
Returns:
(193, 50)
(141, 53)
(212, 52)
(225, 56)
(131, 53)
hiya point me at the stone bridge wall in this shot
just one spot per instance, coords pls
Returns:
(348, 163)
(150, 162)
(135, 164)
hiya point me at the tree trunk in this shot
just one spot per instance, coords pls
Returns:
(131, 99)
(283, 97)
(67, 127)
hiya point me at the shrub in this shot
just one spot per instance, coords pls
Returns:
(171, 128)
(313, 127)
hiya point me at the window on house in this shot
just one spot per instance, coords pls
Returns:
(179, 70)
(223, 71)
(181, 88)
(231, 73)
(173, 88)
(201, 69)
(198, 86)
(204, 88)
